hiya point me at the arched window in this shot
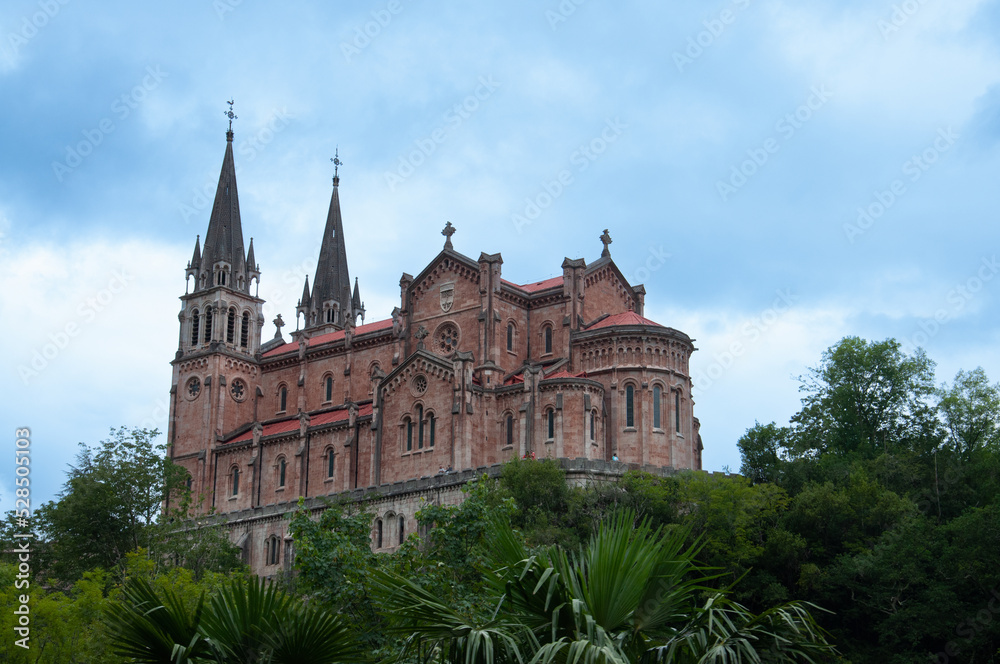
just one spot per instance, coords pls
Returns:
(245, 330)
(409, 435)
(329, 463)
(629, 406)
(195, 320)
(548, 339)
(231, 326)
(677, 411)
(272, 550)
(430, 429)
(236, 481)
(593, 422)
(189, 482)
(509, 430)
(378, 533)
(510, 336)
(331, 315)
(281, 472)
(402, 529)
(420, 427)
(657, 395)
(550, 424)
(329, 388)
(208, 323)
(282, 399)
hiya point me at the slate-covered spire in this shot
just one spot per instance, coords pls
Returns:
(251, 259)
(305, 293)
(224, 239)
(194, 266)
(357, 306)
(332, 285)
(196, 257)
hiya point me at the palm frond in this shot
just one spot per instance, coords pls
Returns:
(154, 629)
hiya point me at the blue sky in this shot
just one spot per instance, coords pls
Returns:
(778, 174)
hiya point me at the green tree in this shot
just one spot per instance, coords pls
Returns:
(334, 561)
(971, 411)
(759, 448)
(865, 399)
(110, 504)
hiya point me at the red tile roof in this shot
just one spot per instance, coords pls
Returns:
(332, 336)
(271, 429)
(292, 423)
(627, 318)
(538, 285)
(562, 373)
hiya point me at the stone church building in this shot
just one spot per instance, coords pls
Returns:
(469, 371)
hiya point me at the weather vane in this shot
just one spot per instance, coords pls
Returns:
(336, 164)
(229, 114)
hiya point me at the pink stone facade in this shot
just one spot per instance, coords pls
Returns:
(469, 371)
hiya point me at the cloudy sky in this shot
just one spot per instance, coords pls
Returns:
(778, 174)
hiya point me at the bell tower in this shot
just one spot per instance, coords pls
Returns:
(216, 374)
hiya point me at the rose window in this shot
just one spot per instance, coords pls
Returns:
(238, 389)
(447, 337)
(193, 388)
(420, 384)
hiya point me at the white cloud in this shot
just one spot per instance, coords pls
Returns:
(91, 328)
(925, 71)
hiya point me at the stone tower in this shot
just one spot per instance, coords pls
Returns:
(216, 373)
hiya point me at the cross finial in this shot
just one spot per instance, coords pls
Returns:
(232, 116)
(606, 239)
(278, 324)
(336, 166)
(421, 334)
(448, 231)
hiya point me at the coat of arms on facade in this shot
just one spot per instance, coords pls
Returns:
(447, 297)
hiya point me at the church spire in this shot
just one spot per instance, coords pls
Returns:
(223, 259)
(330, 302)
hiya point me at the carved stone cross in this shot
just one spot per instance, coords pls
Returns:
(278, 324)
(606, 239)
(448, 231)
(421, 334)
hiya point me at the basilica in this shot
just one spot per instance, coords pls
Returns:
(467, 372)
